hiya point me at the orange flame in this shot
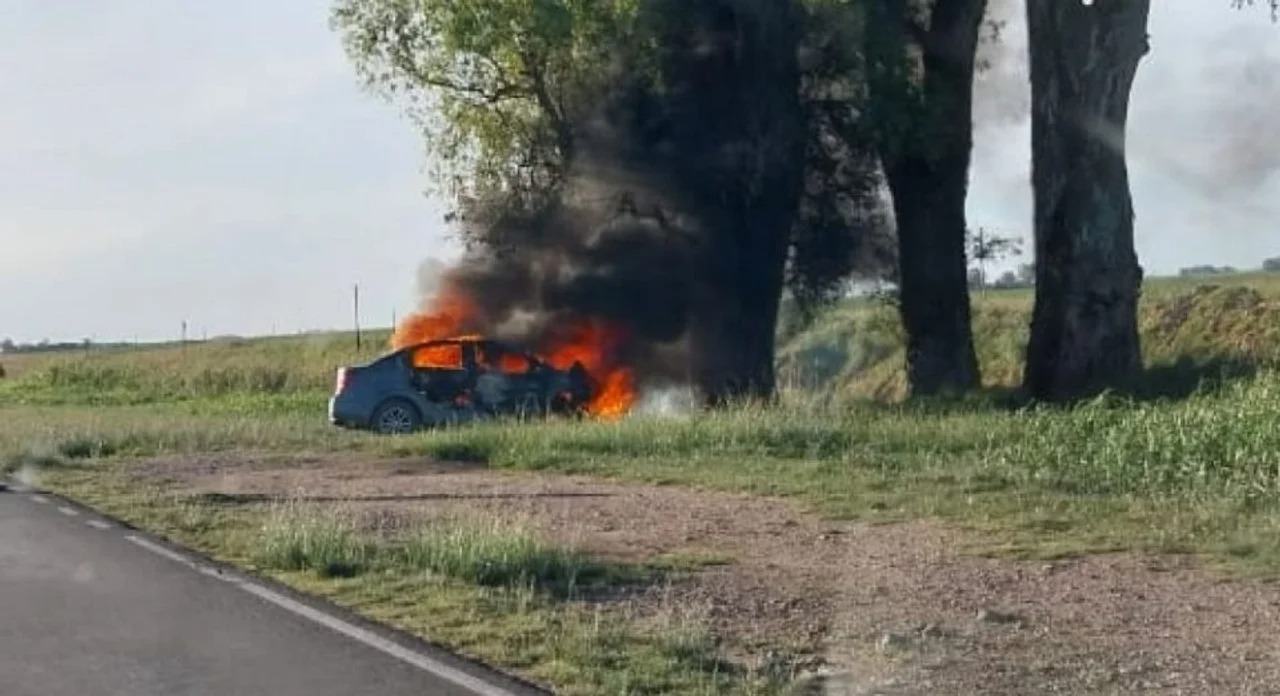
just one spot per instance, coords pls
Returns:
(597, 345)
(593, 342)
(451, 314)
(446, 357)
(509, 363)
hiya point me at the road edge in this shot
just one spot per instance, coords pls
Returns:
(495, 677)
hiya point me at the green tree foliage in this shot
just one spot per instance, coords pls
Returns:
(985, 247)
(500, 87)
(526, 106)
(726, 127)
(843, 227)
(492, 83)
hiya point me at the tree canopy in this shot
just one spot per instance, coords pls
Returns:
(500, 89)
(492, 83)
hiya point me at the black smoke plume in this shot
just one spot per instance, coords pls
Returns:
(634, 232)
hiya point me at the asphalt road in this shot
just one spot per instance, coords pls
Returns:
(88, 607)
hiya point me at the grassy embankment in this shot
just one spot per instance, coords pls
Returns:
(1178, 468)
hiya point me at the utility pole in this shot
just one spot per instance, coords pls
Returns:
(356, 305)
(184, 334)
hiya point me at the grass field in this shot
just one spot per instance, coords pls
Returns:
(487, 589)
(1190, 462)
(1190, 328)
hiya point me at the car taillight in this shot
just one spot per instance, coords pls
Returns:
(342, 380)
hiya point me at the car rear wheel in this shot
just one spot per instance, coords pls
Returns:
(396, 417)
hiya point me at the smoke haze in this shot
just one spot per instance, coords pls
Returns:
(608, 249)
(1203, 147)
(644, 234)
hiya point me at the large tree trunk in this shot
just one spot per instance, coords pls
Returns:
(735, 324)
(928, 202)
(736, 136)
(927, 172)
(1084, 334)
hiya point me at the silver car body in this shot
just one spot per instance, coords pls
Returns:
(381, 394)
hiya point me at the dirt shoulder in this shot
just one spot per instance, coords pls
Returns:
(889, 609)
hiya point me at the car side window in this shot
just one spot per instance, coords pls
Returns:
(496, 359)
(516, 364)
(446, 356)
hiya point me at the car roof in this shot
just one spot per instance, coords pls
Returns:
(473, 340)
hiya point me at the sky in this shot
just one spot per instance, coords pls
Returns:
(220, 164)
(1203, 142)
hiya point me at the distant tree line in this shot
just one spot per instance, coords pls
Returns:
(1023, 277)
(10, 347)
(1206, 270)
(986, 247)
(1271, 265)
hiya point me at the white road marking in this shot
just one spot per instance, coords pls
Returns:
(98, 524)
(158, 549)
(69, 512)
(39, 499)
(369, 638)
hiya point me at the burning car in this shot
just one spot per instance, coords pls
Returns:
(451, 381)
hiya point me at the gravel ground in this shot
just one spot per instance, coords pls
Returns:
(875, 609)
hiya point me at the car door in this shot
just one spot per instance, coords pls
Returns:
(507, 379)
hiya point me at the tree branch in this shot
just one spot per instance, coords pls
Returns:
(503, 92)
(535, 71)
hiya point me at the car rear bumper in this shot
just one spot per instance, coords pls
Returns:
(342, 415)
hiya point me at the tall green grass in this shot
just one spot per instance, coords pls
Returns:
(436, 580)
(497, 553)
(51, 435)
(854, 350)
(1205, 452)
(1212, 443)
(1200, 473)
(323, 542)
(487, 552)
(1193, 465)
(284, 370)
(1195, 325)
(1216, 442)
